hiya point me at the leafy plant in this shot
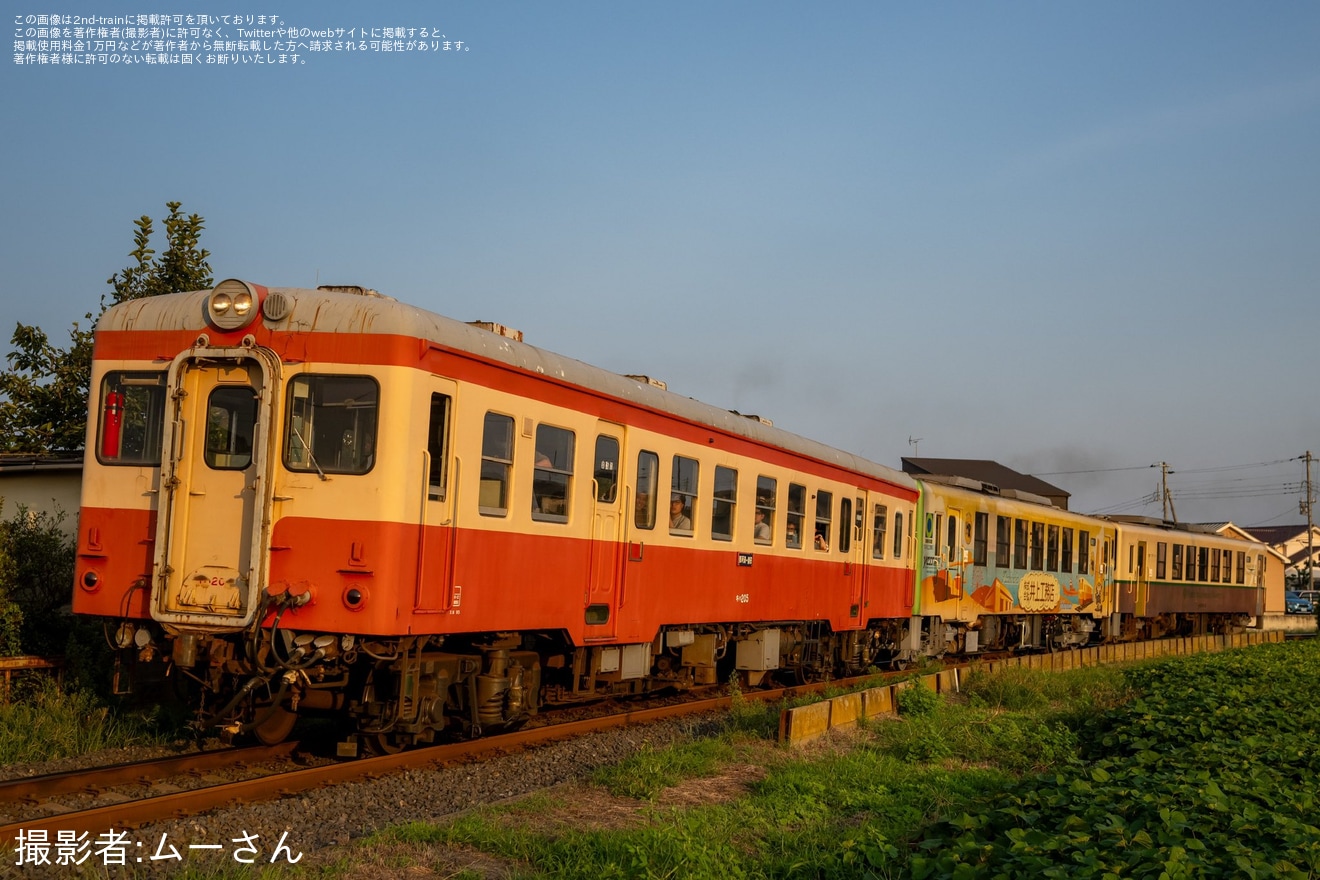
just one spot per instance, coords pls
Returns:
(916, 699)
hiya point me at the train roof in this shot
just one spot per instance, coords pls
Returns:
(358, 310)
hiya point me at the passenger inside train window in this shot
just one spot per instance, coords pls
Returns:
(791, 533)
(761, 531)
(679, 521)
(820, 542)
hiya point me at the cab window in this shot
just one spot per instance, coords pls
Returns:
(231, 427)
(331, 427)
(132, 421)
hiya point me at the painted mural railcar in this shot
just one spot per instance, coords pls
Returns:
(1009, 571)
(326, 500)
(1178, 580)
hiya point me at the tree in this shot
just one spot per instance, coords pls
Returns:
(43, 394)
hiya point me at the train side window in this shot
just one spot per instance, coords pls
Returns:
(496, 463)
(1020, 544)
(845, 523)
(797, 506)
(1066, 561)
(231, 427)
(1037, 546)
(607, 468)
(1228, 567)
(764, 530)
(552, 475)
(132, 422)
(725, 504)
(1177, 562)
(880, 518)
(331, 427)
(683, 495)
(1191, 562)
(951, 541)
(1052, 549)
(1003, 541)
(648, 471)
(1083, 551)
(437, 447)
(981, 539)
(1161, 559)
(1241, 568)
(1203, 563)
(1214, 566)
(898, 535)
(821, 536)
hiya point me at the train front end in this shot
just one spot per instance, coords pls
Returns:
(174, 533)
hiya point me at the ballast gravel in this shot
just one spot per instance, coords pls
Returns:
(313, 824)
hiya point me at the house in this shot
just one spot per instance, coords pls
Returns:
(1276, 565)
(1291, 541)
(50, 483)
(985, 471)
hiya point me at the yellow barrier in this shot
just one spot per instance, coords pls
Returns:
(806, 723)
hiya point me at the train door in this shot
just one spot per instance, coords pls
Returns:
(953, 555)
(1142, 582)
(857, 556)
(213, 526)
(437, 505)
(853, 566)
(607, 546)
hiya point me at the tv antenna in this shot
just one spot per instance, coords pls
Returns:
(913, 441)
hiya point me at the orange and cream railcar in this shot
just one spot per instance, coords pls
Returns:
(1176, 580)
(1007, 570)
(327, 500)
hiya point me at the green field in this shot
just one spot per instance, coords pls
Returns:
(1201, 766)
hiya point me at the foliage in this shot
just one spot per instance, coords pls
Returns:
(916, 699)
(1212, 771)
(182, 267)
(36, 574)
(1203, 766)
(54, 723)
(43, 394)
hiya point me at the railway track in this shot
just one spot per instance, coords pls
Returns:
(146, 810)
(37, 792)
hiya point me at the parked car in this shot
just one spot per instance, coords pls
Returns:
(1296, 603)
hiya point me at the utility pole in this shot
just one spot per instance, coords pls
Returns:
(1165, 495)
(1307, 501)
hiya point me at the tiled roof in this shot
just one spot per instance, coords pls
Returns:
(984, 470)
(1275, 534)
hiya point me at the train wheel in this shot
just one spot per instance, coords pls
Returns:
(275, 726)
(378, 744)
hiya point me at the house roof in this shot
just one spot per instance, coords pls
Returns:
(985, 471)
(21, 462)
(1275, 534)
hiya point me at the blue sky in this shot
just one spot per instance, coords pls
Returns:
(1069, 237)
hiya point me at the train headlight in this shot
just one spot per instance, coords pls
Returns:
(232, 304)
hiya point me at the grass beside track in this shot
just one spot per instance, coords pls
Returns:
(48, 723)
(1200, 766)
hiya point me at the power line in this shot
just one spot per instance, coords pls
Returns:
(1208, 470)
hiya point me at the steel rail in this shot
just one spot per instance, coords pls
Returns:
(95, 779)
